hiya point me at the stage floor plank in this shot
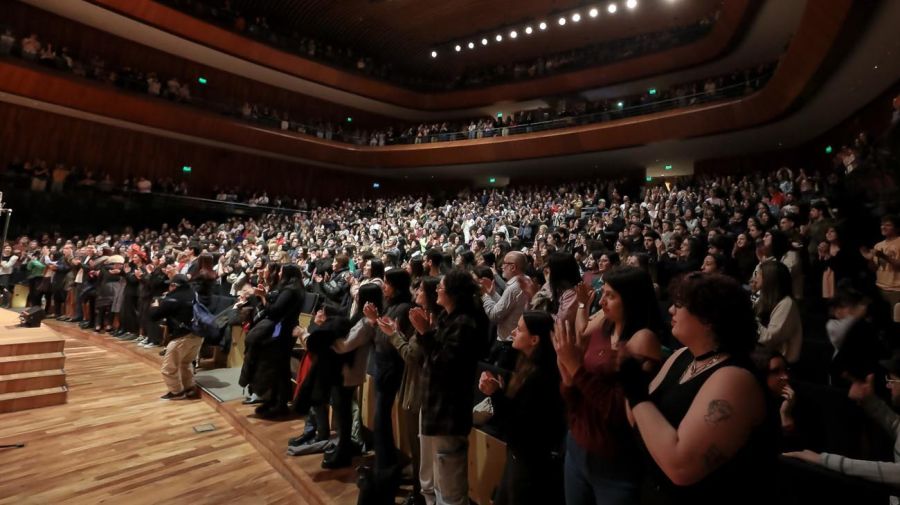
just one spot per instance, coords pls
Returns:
(116, 442)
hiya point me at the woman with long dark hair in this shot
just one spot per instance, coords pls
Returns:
(602, 461)
(452, 344)
(411, 388)
(557, 296)
(389, 363)
(533, 473)
(271, 375)
(355, 348)
(780, 326)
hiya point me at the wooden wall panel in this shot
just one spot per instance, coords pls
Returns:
(223, 87)
(31, 133)
(180, 24)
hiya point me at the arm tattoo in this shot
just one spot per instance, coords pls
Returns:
(718, 411)
(713, 457)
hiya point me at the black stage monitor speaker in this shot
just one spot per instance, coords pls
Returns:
(31, 317)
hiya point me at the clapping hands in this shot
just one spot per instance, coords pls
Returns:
(421, 320)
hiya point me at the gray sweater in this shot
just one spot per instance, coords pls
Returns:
(877, 471)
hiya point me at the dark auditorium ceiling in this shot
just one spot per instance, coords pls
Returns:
(403, 32)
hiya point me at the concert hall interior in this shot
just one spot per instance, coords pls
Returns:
(385, 252)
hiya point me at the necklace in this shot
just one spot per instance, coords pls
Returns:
(703, 362)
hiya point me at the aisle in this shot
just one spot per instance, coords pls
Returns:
(116, 442)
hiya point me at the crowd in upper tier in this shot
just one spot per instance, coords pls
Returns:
(653, 343)
(563, 112)
(258, 22)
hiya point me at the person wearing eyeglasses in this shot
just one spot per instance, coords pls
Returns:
(863, 392)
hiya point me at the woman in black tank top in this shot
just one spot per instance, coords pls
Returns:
(705, 429)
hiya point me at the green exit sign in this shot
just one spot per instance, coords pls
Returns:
(668, 167)
(500, 115)
(828, 149)
(349, 119)
(649, 178)
(651, 91)
(492, 180)
(186, 169)
(201, 80)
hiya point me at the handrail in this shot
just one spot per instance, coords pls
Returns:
(184, 26)
(622, 111)
(818, 31)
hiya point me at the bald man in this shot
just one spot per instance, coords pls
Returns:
(505, 310)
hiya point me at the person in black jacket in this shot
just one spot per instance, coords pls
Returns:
(389, 363)
(451, 348)
(177, 308)
(534, 469)
(268, 361)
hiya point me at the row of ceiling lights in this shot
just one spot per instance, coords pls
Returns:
(575, 17)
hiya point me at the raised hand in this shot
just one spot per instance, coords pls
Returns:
(584, 294)
(860, 390)
(488, 383)
(569, 354)
(420, 320)
(320, 317)
(370, 312)
(387, 325)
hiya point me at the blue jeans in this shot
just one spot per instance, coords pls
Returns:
(591, 479)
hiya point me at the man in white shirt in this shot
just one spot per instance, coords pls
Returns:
(506, 309)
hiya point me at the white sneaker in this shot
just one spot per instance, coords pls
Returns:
(141, 341)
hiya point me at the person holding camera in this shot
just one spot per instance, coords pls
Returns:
(177, 309)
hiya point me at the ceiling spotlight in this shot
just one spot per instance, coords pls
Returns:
(434, 53)
(593, 12)
(528, 30)
(631, 4)
(458, 48)
(542, 26)
(498, 38)
(484, 41)
(471, 45)
(611, 9)
(576, 17)
(562, 21)
(513, 34)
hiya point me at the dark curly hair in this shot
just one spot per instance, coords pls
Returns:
(719, 301)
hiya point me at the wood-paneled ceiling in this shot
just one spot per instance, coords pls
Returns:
(404, 32)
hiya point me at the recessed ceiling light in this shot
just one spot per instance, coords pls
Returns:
(542, 26)
(484, 41)
(611, 9)
(631, 4)
(576, 17)
(593, 12)
(513, 34)
(434, 53)
(471, 45)
(458, 48)
(528, 30)
(498, 38)
(562, 21)
(875, 67)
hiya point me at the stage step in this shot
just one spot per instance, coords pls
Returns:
(32, 363)
(29, 381)
(24, 400)
(28, 341)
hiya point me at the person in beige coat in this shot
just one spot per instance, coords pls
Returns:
(780, 326)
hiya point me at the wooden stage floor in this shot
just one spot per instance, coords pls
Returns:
(116, 442)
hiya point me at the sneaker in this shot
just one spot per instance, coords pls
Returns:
(192, 394)
(172, 396)
(141, 341)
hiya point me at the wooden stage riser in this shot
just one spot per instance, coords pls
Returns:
(32, 399)
(31, 363)
(32, 380)
(19, 349)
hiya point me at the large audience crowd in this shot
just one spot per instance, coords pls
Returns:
(565, 112)
(652, 343)
(262, 25)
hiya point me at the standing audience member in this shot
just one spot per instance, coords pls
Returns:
(534, 468)
(452, 344)
(602, 461)
(884, 259)
(177, 310)
(780, 327)
(704, 423)
(506, 309)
